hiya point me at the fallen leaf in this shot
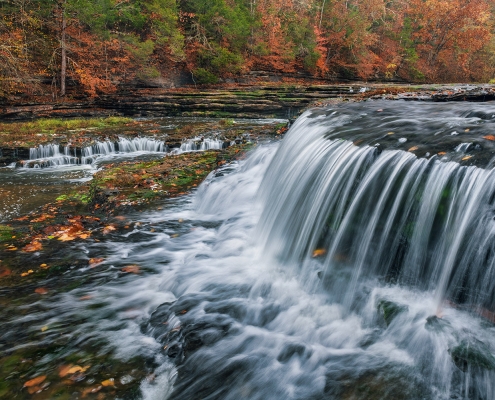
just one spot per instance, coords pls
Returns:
(27, 273)
(466, 130)
(65, 370)
(35, 381)
(12, 248)
(66, 238)
(390, 133)
(44, 328)
(33, 246)
(414, 148)
(41, 290)
(87, 297)
(108, 382)
(319, 252)
(84, 235)
(489, 137)
(44, 266)
(466, 158)
(442, 153)
(93, 262)
(107, 229)
(5, 272)
(133, 269)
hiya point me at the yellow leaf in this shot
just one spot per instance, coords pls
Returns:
(44, 328)
(466, 158)
(108, 229)
(108, 382)
(390, 133)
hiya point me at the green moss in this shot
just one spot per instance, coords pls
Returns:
(53, 125)
(472, 353)
(390, 310)
(6, 233)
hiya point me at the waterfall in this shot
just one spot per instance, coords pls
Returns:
(371, 214)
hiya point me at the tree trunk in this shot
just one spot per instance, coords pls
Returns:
(63, 67)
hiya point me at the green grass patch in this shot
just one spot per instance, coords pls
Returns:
(53, 125)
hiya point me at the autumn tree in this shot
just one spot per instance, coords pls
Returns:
(446, 35)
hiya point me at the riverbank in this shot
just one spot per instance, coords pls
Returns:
(239, 101)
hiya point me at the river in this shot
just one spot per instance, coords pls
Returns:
(355, 259)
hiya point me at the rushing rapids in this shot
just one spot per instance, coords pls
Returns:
(342, 263)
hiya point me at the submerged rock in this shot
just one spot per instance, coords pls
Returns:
(472, 353)
(389, 310)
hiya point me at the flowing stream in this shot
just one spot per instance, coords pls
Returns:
(336, 264)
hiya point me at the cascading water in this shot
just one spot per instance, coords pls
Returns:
(200, 144)
(353, 260)
(55, 155)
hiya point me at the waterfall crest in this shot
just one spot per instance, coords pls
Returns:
(371, 214)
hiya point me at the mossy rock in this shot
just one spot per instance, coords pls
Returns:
(389, 310)
(472, 353)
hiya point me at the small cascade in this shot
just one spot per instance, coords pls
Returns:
(201, 144)
(55, 155)
(50, 155)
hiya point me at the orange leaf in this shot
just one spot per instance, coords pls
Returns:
(35, 381)
(65, 237)
(489, 137)
(134, 269)
(4, 272)
(41, 290)
(319, 252)
(33, 246)
(93, 262)
(442, 153)
(414, 148)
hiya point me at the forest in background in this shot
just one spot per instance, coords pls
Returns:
(101, 46)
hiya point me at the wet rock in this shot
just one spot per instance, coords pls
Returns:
(435, 324)
(293, 349)
(472, 353)
(389, 310)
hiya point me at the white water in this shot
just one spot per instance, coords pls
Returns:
(232, 288)
(54, 155)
